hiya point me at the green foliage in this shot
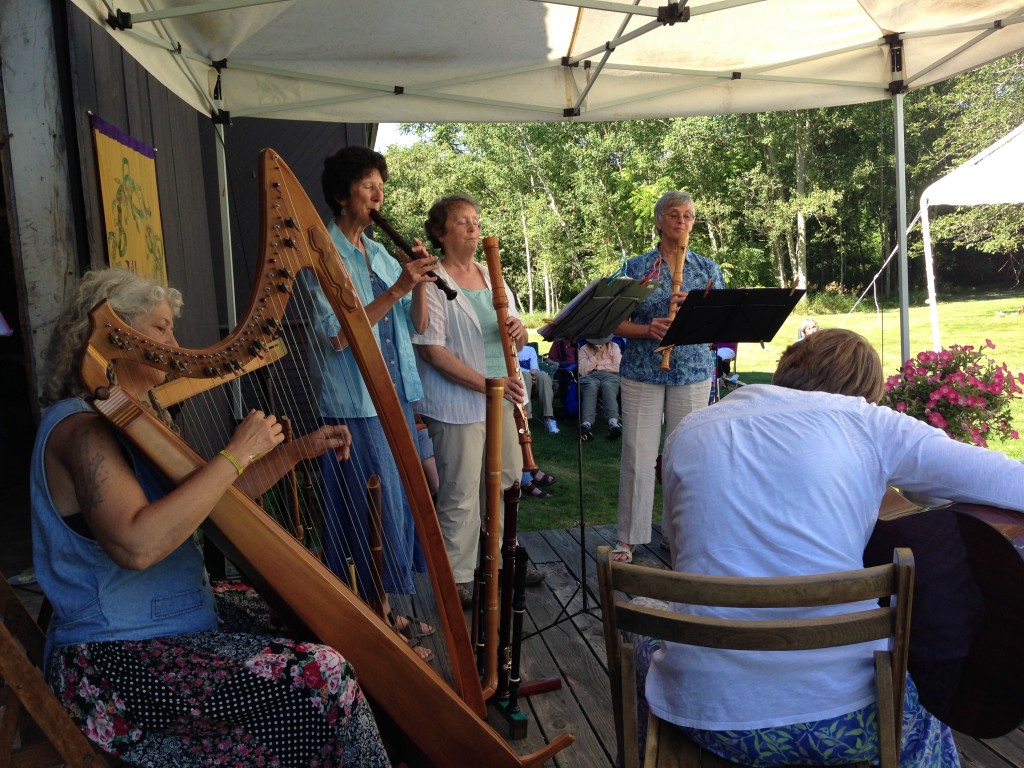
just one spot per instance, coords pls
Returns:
(803, 197)
(833, 299)
(958, 390)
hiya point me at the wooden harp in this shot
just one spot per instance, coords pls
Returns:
(441, 726)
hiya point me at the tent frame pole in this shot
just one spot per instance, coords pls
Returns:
(901, 225)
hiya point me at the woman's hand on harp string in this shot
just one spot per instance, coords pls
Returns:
(272, 466)
(257, 435)
(332, 437)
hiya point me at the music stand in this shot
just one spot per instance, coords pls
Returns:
(597, 311)
(731, 315)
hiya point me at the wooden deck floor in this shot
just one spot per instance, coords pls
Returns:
(573, 649)
(564, 639)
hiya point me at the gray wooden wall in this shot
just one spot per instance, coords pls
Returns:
(58, 67)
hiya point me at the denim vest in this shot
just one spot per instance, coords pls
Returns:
(93, 598)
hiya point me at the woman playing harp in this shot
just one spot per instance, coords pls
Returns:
(393, 295)
(461, 347)
(115, 552)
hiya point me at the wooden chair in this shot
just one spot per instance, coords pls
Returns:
(668, 745)
(35, 730)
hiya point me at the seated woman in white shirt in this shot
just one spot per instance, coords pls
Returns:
(819, 414)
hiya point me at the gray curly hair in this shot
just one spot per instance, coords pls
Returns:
(129, 294)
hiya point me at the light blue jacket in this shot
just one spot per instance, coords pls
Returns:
(342, 391)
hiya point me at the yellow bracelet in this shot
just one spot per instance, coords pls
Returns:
(227, 455)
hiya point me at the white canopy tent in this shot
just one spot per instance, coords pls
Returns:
(994, 175)
(549, 60)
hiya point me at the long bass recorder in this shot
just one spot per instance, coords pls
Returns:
(677, 283)
(403, 246)
(509, 349)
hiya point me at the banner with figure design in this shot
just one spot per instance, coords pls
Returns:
(131, 204)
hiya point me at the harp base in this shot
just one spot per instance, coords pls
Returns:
(515, 724)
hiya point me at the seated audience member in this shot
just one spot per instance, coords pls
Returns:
(135, 652)
(538, 385)
(724, 355)
(819, 414)
(563, 352)
(807, 327)
(599, 381)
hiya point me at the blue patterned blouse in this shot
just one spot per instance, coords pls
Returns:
(690, 363)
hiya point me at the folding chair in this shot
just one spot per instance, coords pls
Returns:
(666, 744)
(53, 738)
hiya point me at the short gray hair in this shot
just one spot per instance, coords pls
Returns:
(671, 200)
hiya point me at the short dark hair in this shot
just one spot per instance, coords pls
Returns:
(832, 360)
(344, 168)
(437, 216)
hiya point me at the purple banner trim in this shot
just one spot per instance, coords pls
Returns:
(117, 134)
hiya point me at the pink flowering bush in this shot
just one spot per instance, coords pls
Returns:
(960, 391)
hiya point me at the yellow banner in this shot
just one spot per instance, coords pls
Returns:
(131, 203)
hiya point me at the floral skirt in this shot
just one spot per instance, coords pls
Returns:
(218, 698)
(853, 737)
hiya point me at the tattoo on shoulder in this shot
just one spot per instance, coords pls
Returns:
(92, 474)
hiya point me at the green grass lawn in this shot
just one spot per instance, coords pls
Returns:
(967, 321)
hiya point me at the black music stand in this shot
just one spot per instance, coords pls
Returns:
(731, 315)
(597, 311)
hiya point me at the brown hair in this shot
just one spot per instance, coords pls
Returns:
(833, 360)
(437, 217)
(346, 167)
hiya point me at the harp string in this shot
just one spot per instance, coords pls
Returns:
(296, 394)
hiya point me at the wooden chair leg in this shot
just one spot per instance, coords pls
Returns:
(888, 749)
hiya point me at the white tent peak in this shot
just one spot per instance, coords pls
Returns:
(994, 175)
(991, 176)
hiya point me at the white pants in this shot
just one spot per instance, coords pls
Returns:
(459, 451)
(644, 407)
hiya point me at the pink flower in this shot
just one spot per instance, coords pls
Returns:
(937, 419)
(989, 344)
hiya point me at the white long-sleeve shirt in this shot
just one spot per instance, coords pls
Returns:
(779, 482)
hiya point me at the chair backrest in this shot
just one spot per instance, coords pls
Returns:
(893, 581)
(24, 694)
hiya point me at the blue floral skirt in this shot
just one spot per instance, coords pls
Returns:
(926, 741)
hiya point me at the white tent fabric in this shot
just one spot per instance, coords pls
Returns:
(549, 60)
(994, 175)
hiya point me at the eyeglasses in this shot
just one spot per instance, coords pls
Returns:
(686, 217)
